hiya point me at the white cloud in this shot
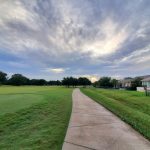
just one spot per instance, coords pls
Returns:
(138, 55)
(108, 39)
(55, 70)
(113, 37)
(15, 11)
(137, 60)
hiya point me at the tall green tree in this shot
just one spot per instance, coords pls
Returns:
(84, 81)
(66, 81)
(38, 82)
(114, 83)
(3, 77)
(136, 83)
(54, 83)
(105, 82)
(18, 79)
(96, 84)
(69, 81)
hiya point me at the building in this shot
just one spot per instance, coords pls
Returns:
(126, 83)
(146, 82)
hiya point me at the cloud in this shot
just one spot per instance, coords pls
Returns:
(15, 11)
(113, 37)
(137, 55)
(92, 78)
(67, 33)
(89, 37)
(17, 64)
(55, 70)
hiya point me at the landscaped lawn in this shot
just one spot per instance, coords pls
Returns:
(34, 117)
(131, 106)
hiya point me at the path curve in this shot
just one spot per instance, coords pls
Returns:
(92, 127)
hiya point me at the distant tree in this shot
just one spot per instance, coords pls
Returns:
(84, 81)
(54, 83)
(18, 79)
(105, 82)
(128, 78)
(38, 82)
(50, 83)
(74, 82)
(136, 83)
(69, 81)
(34, 82)
(42, 82)
(58, 83)
(3, 77)
(114, 83)
(96, 84)
(66, 82)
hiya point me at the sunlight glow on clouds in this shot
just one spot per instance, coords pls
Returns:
(112, 40)
(92, 78)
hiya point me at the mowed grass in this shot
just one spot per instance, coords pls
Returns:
(131, 106)
(33, 117)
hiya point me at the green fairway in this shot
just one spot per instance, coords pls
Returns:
(131, 106)
(34, 117)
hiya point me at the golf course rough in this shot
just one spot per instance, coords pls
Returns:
(34, 117)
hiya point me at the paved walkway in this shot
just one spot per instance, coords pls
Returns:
(92, 127)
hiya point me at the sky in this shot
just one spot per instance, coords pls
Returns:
(52, 39)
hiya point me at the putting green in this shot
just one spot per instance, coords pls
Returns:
(14, 102)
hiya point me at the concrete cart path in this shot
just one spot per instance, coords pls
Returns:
(92, 127)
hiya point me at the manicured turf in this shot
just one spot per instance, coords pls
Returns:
(131, 106)
(34, 117)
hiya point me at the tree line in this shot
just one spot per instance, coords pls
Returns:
(19, 79)
(108, 82)
(71, 81)
(104, 82)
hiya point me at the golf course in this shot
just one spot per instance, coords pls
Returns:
(34, 117)
(37, 117)
(74, 75)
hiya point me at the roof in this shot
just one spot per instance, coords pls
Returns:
(146, 79)
(144, 76)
